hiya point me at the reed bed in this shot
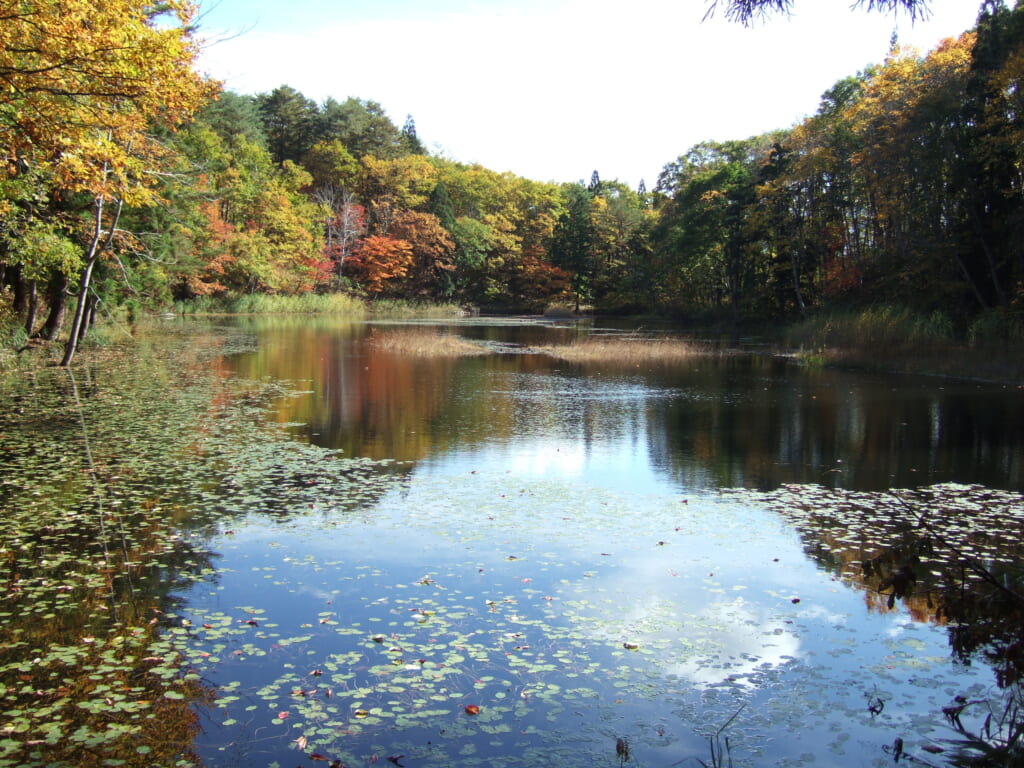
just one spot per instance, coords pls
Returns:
(896, 339)
(424, 342)
(263, 304)
(628, 351)
(881, 332)
(405, 309)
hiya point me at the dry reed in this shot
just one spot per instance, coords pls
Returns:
(424, 342)
(629, 351)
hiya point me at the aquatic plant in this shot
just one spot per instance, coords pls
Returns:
(628, 351)
(423, 342)
(115, 474)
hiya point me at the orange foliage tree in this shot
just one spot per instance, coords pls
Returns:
(379, 263)
(433, 251)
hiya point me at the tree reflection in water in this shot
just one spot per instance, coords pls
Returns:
(950, 554)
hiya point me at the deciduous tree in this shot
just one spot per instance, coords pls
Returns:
(380, 263)
(84, 86)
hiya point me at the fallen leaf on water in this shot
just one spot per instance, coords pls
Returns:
(472, 709)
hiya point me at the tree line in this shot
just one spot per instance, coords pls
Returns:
(129, 179)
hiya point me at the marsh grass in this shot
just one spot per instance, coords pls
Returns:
(898, 339)
(424, 342)
(402, 309)
(339, 304)
(884, 332)
(258, 303)
(628, 351)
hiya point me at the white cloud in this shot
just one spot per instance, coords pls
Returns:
(554, 91)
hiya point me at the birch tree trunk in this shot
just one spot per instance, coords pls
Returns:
(101, 240)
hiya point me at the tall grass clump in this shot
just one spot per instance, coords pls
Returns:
(996, 327)
(627, 351)
(404, 309)
(874, 334)
(424, 342)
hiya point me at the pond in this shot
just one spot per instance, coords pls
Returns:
(276, 541)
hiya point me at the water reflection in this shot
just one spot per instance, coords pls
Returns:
(550, 549)
(746, 421)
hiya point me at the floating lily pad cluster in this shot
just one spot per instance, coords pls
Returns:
(908, 542)
(114, 476)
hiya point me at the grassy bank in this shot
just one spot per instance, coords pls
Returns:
(260, 304)
(897, 339)
(338, 304)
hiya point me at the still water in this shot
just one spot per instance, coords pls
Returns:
(507, 559)
(559, 578)
(738, 421)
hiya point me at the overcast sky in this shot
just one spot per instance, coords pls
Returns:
(555, 89)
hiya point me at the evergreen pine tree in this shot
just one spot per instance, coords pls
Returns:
(412, 142)
(441, 206)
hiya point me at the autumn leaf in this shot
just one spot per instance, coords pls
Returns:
(472, 709)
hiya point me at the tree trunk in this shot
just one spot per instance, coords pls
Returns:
(101, 239)
(57, 298)
(20, 302)
(795, 267)
(33, 307)
(89, 318)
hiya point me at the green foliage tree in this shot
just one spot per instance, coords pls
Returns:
(703, 229)
(412, 142)
(233, 117)
(364, 128)
(289, 122)
(572, 243)
(441, 206)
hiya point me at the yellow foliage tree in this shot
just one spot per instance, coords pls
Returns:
(82, 86)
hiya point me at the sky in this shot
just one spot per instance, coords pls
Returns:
(553, 90)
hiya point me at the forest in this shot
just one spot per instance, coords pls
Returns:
(130, 183)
